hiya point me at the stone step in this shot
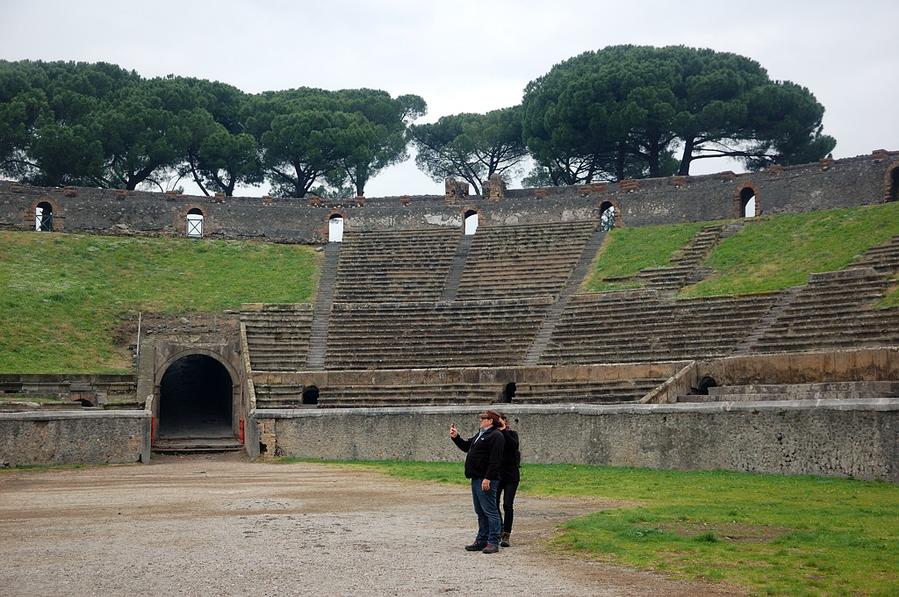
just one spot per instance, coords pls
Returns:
(164, 445)
(849, 389)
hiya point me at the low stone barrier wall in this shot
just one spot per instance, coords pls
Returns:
(81, 437)
(862, 364)
(472, 375)
(845, 438)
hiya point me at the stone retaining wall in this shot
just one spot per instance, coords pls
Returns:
(845, 438)
(85, 437)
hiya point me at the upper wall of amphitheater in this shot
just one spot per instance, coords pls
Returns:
(861, 180)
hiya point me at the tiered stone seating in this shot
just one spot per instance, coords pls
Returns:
(412, 394)
(60, 392)
(642, 325)
(590, 392)
(834, 310)
(277, 336)
(387, 266)
(432, 334)
(834, 390)
(522, 261)
(883, 258)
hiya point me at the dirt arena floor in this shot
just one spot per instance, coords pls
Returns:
(220, 525)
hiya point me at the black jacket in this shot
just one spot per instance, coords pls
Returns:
(485, 455)
(511, 457)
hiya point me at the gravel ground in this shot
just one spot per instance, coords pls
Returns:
(220, 525)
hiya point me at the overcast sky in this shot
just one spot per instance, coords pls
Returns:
(471, 56)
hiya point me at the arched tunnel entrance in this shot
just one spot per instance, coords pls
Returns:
(195, 399)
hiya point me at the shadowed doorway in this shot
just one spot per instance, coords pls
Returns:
(195, 399)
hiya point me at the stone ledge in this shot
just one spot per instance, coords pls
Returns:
(860, 404)
(87, 414)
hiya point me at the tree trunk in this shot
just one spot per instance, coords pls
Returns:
(619, 162)
(196, 176)
(653, 158)
(687, 157)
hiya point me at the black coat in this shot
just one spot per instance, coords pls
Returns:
(511, 457)
(485, 455)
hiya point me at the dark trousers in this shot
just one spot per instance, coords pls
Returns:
(505, 495)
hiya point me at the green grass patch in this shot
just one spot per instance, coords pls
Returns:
(63, 295)
(38, 399)
(768, 533)
(626, 251)
(891, 297)
(780, 251)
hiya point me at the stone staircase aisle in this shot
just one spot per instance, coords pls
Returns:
(451, 289)
(318, 334)
(684, 264)
(575, 279)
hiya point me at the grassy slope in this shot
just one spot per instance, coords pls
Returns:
(628, 250)
(62, 295)
(771, 253)
(777, 252)
(768, 533)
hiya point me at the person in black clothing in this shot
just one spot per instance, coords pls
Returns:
(509, 478)
(482, 464)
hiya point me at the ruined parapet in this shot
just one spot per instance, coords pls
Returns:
(496, 188)
(455, 189)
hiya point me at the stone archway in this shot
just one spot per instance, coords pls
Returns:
(196, 399)
(746, 202)
(891, 183)
(608, 216)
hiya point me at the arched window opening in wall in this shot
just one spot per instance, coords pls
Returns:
(43, 217)
(471, 222)
(335, 229)
(747, 203)
(606, 216)
(195, 223)
(894, 185)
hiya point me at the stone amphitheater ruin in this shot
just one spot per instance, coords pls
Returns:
(416, 323)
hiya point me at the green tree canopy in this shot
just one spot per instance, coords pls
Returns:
(99, 125)
(345, 137)
(625, 111)
(473, 147)
(380, 136)
(47, 129)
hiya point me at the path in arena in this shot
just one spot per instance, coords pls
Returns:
(222, 525)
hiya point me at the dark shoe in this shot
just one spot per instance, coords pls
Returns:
(490, 548)
(476, 546)
(504, 542)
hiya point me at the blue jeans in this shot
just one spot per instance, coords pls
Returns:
(489, 522)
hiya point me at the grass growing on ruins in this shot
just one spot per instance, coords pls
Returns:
(767, 533)
(63, 295)
(628, 250)
(891, 296)
(780, 251)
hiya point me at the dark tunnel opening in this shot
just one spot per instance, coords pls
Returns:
(195, 399)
